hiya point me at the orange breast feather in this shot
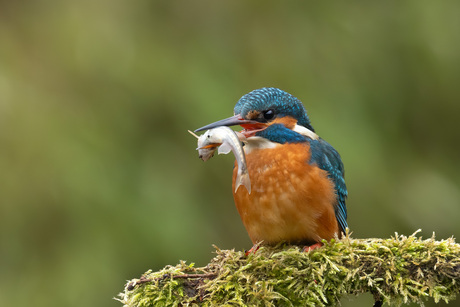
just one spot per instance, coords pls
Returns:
(291, 200)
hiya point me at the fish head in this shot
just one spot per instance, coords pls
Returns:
(208, 143)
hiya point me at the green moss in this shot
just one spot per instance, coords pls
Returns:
(396, 271)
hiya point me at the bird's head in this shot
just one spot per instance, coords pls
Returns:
(262, 108)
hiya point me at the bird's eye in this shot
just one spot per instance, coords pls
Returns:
(269, 114)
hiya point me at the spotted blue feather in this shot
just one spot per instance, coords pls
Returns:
(267, 98)
(328, 159)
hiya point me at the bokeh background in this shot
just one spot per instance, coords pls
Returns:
(100, 181)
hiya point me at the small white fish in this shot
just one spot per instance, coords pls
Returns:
(225, 140)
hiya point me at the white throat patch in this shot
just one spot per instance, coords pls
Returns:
(305, 132)
(257, 142)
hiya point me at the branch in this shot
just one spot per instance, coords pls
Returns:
(396, 271)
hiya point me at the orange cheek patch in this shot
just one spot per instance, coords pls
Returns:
(287, 121)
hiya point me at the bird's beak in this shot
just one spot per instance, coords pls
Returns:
(232, 121)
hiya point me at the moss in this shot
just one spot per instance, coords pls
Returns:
(396, 271)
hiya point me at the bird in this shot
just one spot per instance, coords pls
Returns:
(298, 187)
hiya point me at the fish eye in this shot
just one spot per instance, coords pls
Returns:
(269, 114)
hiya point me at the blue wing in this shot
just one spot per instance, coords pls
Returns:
(328, 159)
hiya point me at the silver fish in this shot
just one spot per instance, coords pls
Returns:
(225, 140)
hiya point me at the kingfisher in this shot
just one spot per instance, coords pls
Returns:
(298, 187)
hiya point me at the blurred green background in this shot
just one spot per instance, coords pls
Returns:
(100, 180)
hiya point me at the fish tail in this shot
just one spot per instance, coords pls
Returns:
(243, 179)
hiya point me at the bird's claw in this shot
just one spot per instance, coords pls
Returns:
(309, 248)
(253, 250)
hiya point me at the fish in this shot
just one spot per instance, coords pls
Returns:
(223, 139)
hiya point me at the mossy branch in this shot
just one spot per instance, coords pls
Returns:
(396, 271)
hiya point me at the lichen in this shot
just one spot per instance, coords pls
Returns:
(396, 271)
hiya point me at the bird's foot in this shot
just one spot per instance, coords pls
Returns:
(307, 249)
(253, 250)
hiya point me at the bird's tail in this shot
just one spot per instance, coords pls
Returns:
(243, 179)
